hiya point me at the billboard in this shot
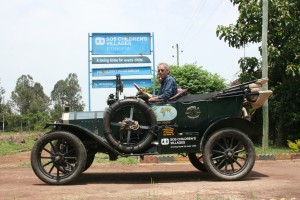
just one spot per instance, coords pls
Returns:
(129, 54)
(121, 44)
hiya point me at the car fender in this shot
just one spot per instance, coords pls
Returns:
(83, 134)
(246, 126)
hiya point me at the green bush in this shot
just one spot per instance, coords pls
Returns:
(295, 146)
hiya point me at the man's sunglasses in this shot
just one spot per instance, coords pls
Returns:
(161, 70)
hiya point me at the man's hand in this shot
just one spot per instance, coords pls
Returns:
(141, 90)
(153, 99)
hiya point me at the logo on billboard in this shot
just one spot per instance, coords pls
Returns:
(99, 40)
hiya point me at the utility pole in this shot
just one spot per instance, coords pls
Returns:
(265, 140)
(177, 53)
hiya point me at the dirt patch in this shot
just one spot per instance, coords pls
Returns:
(20, 159)
(274, 179)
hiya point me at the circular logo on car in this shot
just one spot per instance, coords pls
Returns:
(193, 112)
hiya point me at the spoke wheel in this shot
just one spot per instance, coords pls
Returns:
(197, 161)
(58, 158)
(128, 125)
(229, 154)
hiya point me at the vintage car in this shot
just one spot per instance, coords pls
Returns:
(213, 129)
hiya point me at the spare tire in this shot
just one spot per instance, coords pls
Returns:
(129, 125)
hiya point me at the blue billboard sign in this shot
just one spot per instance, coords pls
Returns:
(127, 83)
(96, 72)
(121, 44)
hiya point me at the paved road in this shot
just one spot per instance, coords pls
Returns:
(268, 180)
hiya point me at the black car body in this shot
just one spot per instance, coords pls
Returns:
(213, 129)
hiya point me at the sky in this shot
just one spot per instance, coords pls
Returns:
(48, 39)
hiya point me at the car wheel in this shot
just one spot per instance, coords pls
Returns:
(58, 158)
(197, 161)
(89, 161)
(229, 154)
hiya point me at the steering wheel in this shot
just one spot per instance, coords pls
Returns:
(138, 88)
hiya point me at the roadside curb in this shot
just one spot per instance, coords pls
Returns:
(181, 159)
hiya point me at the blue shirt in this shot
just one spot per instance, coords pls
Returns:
(168, 88)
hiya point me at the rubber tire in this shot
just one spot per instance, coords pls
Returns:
(38, 148)
(196, 162)
(89, 161)
(111, 111)
(242, 137)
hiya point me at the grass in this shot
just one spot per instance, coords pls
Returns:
(104, 158)
(14, 143)
(273, 150)
(13, 133)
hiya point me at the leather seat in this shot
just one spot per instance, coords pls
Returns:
(180, 92)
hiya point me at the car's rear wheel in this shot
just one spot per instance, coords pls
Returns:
(197, 161)
(229, 154)
(58, 158)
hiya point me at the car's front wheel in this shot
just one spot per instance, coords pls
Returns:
(58, 158)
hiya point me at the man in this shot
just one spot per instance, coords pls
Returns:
(168, 87)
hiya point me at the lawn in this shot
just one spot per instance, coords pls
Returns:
(12, 143)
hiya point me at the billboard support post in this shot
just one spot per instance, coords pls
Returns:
(153, 61)
(89, 69)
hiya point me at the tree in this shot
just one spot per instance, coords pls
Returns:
(2, 91)
(195, 79)
(283, 57)
(29, 97)
(30, 102)
(68, 90)
(2, 106)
